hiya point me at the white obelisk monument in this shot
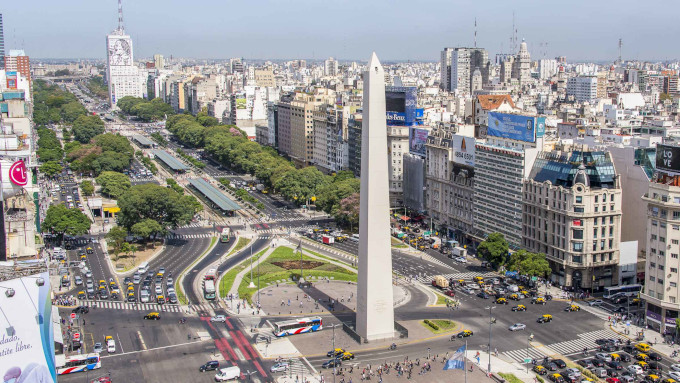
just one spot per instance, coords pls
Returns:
(375, 307)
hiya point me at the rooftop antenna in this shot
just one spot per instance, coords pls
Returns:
(514, 34)
(475, 32)
(620, 46)
(120, 15)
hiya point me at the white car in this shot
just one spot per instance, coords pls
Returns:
(279, 367)
(158, 290)
(674, 374)
(111, 346)
(675, 367)
(218, 318)
(635, 369)
(596, 302)
(461, 260)
(517, 327)
(98, 348)
(573, 372)
(79, 280)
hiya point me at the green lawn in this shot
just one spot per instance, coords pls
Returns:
(444, 325)
(270, 273)
(228, 279)
(441, 300)
(242, 242)
(510, 378)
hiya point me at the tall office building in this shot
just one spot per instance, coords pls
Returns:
(445, 69)
(330, 67)
(158, 61)
(17, 61)
(123, 76)
(583, 88)
(464, 62)
(2, 44)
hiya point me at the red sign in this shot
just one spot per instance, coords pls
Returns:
(17, 173)
(76, 336)
(73, 315)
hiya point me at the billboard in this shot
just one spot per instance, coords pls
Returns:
(463, 150)
(513, 126)
(11, 77)
(668, 158)
(417, 138)
(400, 105)
(26, 331)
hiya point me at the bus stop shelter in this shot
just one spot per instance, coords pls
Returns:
(214, 196)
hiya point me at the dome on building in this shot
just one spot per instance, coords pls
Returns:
(581, 177)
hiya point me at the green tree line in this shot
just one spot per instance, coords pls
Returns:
(53, 105)
(97, 87)
(153, 110)
(104, 152)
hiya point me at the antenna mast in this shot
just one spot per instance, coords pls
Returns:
(120, 15)
(620, 46)
(475, 32)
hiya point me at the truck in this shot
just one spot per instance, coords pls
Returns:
(458, 252)
(440, 282)
(327, 239)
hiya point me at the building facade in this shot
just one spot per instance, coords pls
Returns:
(582, 88)
(464, 61)
(572, 213)
(121, 73)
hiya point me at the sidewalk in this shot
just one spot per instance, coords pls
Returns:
(629, 331)
(500, 365)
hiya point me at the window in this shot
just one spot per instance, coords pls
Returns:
(674, 269)
(597, 209)
(659, 295)
(578, 234)
(652, 279)
(594, 256)
(576, 259)
(611, 244)
(595, 232)
(578, 210)
(604, 198)
(594, 247)
(604, 207)
(655, 223)
(676, 214)
(674, 255)
(611, 198)
(577, 246)
(660, 281)
(652, 265)
(653, 237)
(596, 199)
(673, 284)
(662, 225)
(595, 222)
(661, 267)
(662, 239)
(611, 207)
(675, 227)
(611, 220)
(579, 199)
(611, 231)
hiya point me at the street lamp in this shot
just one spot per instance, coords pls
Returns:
(490, 308)
(333, 350)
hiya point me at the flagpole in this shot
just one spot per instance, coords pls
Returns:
(465, 361)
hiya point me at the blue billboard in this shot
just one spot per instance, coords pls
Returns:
(515, 127)
(400, 105)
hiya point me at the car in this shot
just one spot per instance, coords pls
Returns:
(550, 366)
(89, 284)
(540, 370)
(612, 380)
(612, 372)
(615, 365)
(642, 364)
(674, 374)
(136, 279)
(336, 352)
(158, 290)
(483, 295)
(654, 356)
(501, 301)
(603, 356)
(572, 308)
(81, 310)
(517, 327)
(98, 348)
(544, 318)
(110, 344)
(78, 280)
(347, 356)
(560, 363)
(172, 298)
(152, 316)
(450, 293)
(609, 347)
(219, 318)
(279, 367)
(519, 308)
(675, 367)
(209, 366)
(464, 334)
(103, 294)
(642, 357)
(468, 290)
(332, 363)
(557, 378)
(127, 280)
(654, 366)
(586, 363)
(620, 310)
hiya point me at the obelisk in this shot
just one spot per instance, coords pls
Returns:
(375, 303)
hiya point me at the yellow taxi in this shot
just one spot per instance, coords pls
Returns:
(538, 301)
(130, 289)
(642, 364)
(540, 370)
(615, 357)
(573, 308)
(152, 316)
(83, 257)
(519, 308)
(461, 282)
(160, 299)
(514, 297)
(544, 318)
(478, 279)
(557, 378)
(669, 380)
(524, 292)
(652, 378)
(130, 284)
(81, 295)
(636, 301)
(501, 301)
(112, 284)
(347, 356)
(102, 283)
(464, 334)
(335, 352)
(642, 357)
(89, 250)
(643, 347)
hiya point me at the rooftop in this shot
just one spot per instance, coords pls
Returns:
(170, 160)
(490, 102)
(214, 195)
(561, 168)
(142, 140)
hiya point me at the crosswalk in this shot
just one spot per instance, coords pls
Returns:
(117, 305)
(566, 348)
(189, 236)
(427, 279)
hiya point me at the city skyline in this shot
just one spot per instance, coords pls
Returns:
(217, 30)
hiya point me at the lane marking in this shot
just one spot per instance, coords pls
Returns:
(141, 340)
(154, 349)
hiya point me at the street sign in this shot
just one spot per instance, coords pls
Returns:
(527, 360)
(73, 315)
(76, 336)
(534, 279)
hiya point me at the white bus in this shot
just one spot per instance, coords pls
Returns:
(627, 290)
(79, 363)
(143, 267)
(226, 235)
(297, 326)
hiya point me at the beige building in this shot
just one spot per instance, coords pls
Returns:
(663, 246)
(265, 78)
(572, 213)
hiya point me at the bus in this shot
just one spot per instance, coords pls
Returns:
(209, 289)
(79, 363)
(627, 290)
(226, 235)
(297, 326)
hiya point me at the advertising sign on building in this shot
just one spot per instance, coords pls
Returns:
(668, 158)
(27, 337)
(17, 173)
(11, 77)
(400, 105)
(513, 126)
(417, 138)
(463, 150)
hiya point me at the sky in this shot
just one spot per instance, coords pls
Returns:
(581, 30)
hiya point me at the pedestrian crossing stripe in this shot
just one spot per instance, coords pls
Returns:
(114, 305)
(466, 276)
(585, 340)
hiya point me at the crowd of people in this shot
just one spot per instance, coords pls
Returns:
(64, 300)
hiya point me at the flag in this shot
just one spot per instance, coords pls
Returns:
(457, 360)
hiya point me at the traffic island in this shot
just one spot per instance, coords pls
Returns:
(440, 326)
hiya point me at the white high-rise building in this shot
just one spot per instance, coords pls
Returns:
(123, 76)
(583, 88)
(330, 67)
(464, 61)
(547, 68)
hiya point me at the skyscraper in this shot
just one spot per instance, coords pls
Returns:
(2, 44)
(123, 76)
(445, 70)
(464, 61)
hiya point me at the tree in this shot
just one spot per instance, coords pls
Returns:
(526, 263)
(494, 249)
(347, 213)
(87, 127)
(113, 184)
(72, 110)
(51, 168)
(146, 228)
(116, 238)
(152, 201)
(87, 188)
(62, 220)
